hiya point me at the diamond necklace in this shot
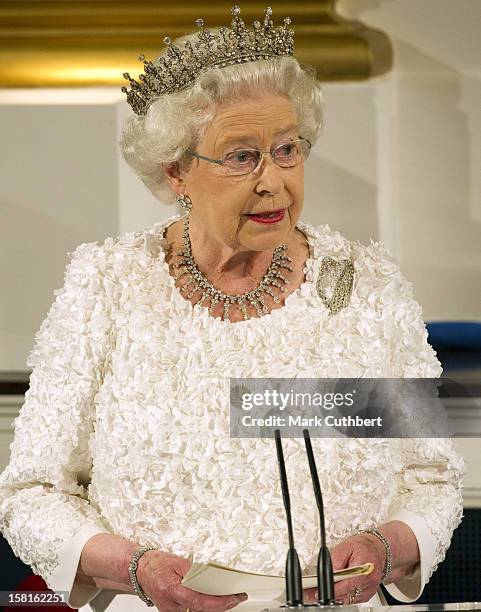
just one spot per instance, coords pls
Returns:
(198, 281)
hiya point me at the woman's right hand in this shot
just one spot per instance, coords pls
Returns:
(160, 574)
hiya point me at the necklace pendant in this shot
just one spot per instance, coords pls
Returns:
(187, 284)
(204, 298)
(286, 266)
(212, 305)
(243, 309)
(263, 306)
(276, 283)
(282, 277)
(180, 273)
(193, 291)
(182, 262)
(271, 292)
(256, 305)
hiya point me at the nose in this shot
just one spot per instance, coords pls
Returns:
(269, 177)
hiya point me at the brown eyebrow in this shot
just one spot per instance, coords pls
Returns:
(245, 139)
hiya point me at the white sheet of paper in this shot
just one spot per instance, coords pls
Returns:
(215, 579)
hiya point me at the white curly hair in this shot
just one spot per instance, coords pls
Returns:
(174, 123)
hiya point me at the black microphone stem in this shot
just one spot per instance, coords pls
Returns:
(325, 574)
(293, 567)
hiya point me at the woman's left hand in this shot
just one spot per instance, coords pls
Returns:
(356, 550)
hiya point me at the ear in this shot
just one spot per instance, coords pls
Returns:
(174, 177)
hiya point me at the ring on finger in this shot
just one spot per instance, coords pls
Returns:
(355, 594)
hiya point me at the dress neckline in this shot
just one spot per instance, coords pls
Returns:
(195, 311)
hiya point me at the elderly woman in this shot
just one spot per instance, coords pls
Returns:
(122, 448)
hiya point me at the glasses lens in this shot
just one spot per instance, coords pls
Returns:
(286, 154)
(291, 153)
(241, 161)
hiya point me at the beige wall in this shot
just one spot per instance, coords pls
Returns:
(398, 161)
(58, 177)
(433, 202)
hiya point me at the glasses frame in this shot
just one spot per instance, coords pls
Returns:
(221, 162)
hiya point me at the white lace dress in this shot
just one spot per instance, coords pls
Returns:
(125, 427)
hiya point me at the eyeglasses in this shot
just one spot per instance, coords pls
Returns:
(244, 161)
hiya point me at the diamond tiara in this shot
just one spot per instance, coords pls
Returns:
(180, 66)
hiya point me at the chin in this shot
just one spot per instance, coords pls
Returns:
(268, 242)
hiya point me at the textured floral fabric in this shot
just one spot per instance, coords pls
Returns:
(125, 427)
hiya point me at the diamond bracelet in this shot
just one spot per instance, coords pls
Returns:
(388, 563)
(133, 573)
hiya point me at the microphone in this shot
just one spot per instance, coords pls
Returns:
(325, 575)
(293, 567)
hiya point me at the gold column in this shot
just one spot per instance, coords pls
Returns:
(68, 43)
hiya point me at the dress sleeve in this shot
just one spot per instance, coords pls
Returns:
(45, 513)
(429, 498)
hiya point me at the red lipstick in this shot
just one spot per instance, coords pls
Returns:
(268, 217)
